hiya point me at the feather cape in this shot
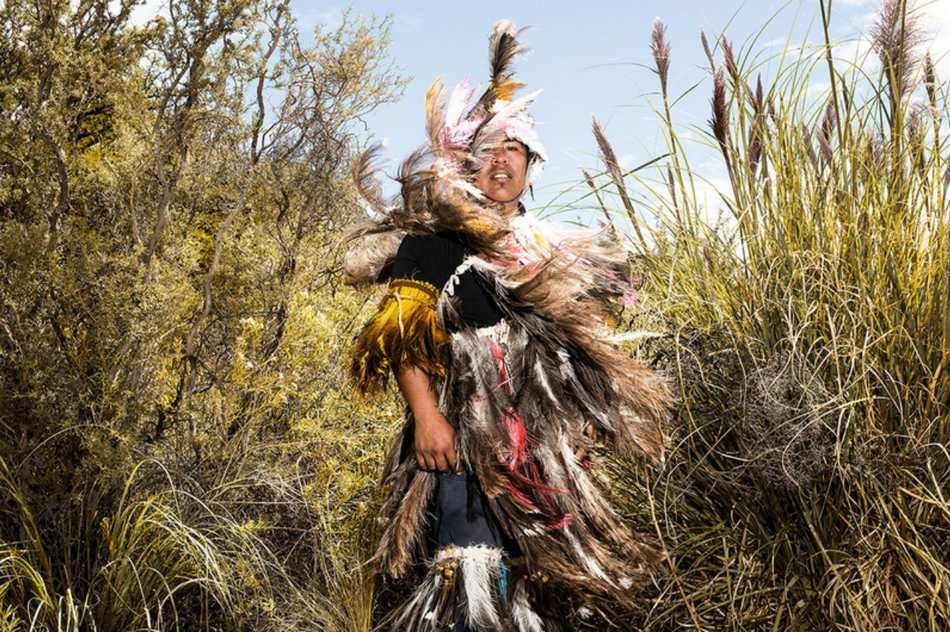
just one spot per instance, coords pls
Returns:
(520, 396)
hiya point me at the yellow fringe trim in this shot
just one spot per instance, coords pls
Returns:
(404, 331)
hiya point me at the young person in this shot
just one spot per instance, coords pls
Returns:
(494, 326)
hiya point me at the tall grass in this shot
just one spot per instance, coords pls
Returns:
(809, 482)
(146, 562)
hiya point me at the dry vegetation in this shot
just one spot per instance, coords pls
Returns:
(177, 443)
(178, 447)
(810, 338)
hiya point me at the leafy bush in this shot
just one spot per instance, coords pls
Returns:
(176, 431)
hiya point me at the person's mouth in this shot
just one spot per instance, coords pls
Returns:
(501, 177)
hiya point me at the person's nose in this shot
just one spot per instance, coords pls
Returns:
(499, 156)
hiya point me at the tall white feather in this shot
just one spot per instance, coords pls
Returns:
(458, 102)
(480, 572)
(525, 617)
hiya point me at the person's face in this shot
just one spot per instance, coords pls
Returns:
(502, 177)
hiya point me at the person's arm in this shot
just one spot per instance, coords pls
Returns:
(404, 339)
(434, 435)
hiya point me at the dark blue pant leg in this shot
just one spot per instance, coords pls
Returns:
(462, 513)
(462, 517)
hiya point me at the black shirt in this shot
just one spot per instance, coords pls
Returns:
(433, 259)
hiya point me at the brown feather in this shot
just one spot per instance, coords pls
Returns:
(402, 541)
(370, 258)
(503, 47)
(434, 111)
(365, 170)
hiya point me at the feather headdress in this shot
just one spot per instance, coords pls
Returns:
(437, 192)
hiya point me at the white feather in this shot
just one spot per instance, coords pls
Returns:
(543, 379)
(589, 563)
(494, 129)
(461, 95)
(480, 571)
(525, 618)
(635, 335)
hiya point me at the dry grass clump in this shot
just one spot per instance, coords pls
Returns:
(808, 487)
(787, 422)
(143, 566)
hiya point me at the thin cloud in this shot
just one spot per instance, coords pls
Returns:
(331, 18)
(142, 13)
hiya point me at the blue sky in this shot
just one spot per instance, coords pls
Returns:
(589, 60)
(593, 59)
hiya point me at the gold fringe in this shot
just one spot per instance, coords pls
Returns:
(404, 331)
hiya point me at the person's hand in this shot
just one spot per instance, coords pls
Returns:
(435, 443)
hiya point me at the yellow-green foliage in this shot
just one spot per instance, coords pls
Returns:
(181, 449)
(808, 484)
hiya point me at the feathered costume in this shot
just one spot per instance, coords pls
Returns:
(520, 393)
